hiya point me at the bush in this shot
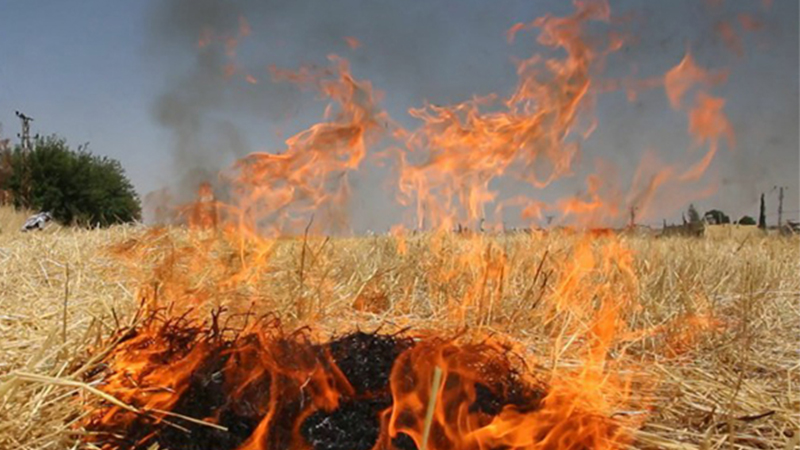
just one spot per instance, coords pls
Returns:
(716, 216)
(5, 168)
(747, 220)
(75, 187)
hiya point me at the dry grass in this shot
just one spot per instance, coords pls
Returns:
(735, 232)
(11, 220)
(733, 387)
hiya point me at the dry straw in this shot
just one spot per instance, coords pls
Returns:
(736, 387)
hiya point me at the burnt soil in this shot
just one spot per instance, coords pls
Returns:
(365, 360)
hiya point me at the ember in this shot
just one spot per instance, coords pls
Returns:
(263, 389)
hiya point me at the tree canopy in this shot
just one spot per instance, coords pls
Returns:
(747, 220)
(76, 187)
(716, 216)
(694, 216)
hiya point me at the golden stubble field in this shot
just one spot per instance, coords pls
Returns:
(712, 326)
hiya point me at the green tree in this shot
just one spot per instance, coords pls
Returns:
(716, 216)
(76, 187)
(747, 220)
(5, 164)
(694, 216)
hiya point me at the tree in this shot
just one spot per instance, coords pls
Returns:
(694, 216)
(716, 216)
(747, 220)
(76, 187)
(762, 214)
(5, 166)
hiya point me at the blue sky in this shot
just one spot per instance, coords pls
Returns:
(96, 71)
(78, 70)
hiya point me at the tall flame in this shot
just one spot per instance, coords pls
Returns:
(467, 146)
(449, 166)
(310, 175)
(286, 388)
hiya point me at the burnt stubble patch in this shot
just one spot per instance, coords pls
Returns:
(272, 402)
(354, 425)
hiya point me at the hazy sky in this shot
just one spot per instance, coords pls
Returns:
(127, 77)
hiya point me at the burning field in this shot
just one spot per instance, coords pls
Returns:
(444, 341)
(253, 318)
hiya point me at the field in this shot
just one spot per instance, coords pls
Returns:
(703, 355)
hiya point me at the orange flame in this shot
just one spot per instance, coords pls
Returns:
(707, 123)
(279, 382)
(749, 22)
(244, 27)
(681, 78)
(528, 138)
(204, 213)
(448, 166)
(447, 171)
(728, 35)
(206, 36)
(352, 42)
(310, 174)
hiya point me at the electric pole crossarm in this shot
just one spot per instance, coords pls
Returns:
(25, 136)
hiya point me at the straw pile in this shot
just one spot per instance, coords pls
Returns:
(64, 291)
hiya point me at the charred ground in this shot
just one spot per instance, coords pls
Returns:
(279, 403)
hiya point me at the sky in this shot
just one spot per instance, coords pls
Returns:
(128, 78)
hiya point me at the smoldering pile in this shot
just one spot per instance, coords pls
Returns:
(208, 387)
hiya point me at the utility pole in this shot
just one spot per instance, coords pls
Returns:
(25, 139)
(633, 210)
(25, 136)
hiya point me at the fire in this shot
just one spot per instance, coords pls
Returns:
(469, 147)
(681, 78)
(229, 42)
(205, 38)
(244, 27)
(310, 174)
(247, 384)
(708, 123)
(447, 167)
(749, 22)
(263, 389)
(204, 213)
(352, 42)
(728, 35)
(237, 382)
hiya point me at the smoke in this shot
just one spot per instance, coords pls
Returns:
(415, 52)
(201, 103)
(442, 53)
